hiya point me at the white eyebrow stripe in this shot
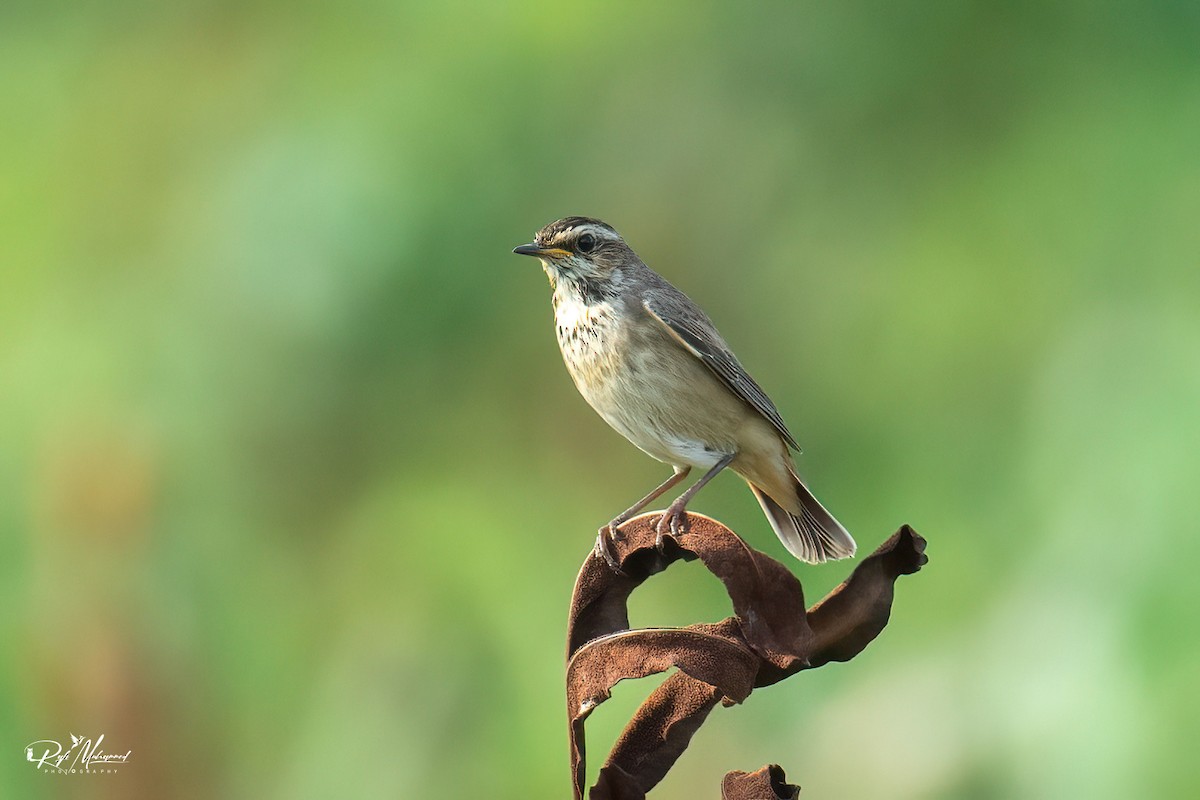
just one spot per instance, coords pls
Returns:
(599, 231)
(570, 228)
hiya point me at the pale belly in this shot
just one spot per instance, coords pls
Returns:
(652, 392)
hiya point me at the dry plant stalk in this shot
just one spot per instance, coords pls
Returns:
(771, 636)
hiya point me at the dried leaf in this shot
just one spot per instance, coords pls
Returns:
(770, 637)
(613, 783)
(663, 727)
(768, 783)
(853, 614)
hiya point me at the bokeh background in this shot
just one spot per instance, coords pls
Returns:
(294, 486)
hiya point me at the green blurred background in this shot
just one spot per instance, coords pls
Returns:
(295, 486)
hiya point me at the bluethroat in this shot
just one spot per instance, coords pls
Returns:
(653, 365)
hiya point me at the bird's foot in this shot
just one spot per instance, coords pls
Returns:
(674, 521)
(605, 538)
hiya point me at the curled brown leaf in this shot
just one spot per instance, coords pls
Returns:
(768, 783)
(770, 637)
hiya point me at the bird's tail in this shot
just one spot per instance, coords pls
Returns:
(813, 535)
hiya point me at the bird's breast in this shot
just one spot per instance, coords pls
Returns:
(644, 385)
(589, 337)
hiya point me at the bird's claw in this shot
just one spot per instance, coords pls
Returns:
(675, 521)
(604, 547)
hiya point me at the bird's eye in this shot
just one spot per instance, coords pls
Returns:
(586, 243)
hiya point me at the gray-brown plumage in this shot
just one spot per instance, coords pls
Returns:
(653, 365)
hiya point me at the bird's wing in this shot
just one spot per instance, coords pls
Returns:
(700, 338)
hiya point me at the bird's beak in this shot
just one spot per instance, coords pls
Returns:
(541, 252)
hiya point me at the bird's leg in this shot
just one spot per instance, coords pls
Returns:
(679, 474)
(676, 515)
(609, 532)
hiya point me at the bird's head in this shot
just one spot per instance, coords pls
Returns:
(580, 249)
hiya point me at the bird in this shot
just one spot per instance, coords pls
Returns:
(654, 367)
